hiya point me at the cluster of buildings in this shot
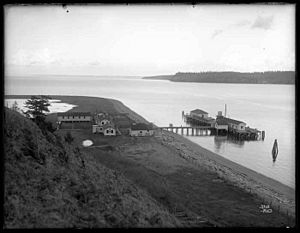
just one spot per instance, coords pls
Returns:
(103, 123)
(220, 123)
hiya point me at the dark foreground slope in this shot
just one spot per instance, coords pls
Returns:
(50, 183)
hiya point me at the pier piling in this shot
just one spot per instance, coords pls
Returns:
(263, 135)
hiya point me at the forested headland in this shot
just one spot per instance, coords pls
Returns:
(269, 77)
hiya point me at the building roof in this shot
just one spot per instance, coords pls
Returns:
(229, 120)
(109, 125)
(221, 121)
(73, 114)
(199, 111)
(141, 126)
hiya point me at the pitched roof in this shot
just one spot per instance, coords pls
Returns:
(141, 126)
(199, 111)
(229, 120)
(109, 125)
(221, 121)
(73, 114)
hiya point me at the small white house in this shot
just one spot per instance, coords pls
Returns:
(233, 124)
(238, 125)
(141, 129)
(199, 113)
(109, 130)
(97, 129)
(74, 117)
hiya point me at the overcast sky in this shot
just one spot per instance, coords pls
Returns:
(148, 39)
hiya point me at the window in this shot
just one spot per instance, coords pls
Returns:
(107, 131)
(73, 117)
(141, 131)
(63, 117)
(83, 117)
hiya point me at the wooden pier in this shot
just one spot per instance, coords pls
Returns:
(220, 126)
(248, 134)
(190, 130)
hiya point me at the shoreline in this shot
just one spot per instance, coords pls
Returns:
(272, 192)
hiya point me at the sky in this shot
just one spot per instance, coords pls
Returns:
(143, 40)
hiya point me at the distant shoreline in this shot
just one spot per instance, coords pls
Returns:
(276, 77)
(268, 188)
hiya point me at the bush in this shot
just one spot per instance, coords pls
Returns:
(69, 138)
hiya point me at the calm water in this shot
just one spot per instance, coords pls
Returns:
(266, 107)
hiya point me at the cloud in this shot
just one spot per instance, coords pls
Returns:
(216, 33)
(263, 22)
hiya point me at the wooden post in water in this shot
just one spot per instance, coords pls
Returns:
(263, 135)
(187, 131)
(181, 130)
(192, 131)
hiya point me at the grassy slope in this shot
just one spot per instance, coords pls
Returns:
(48, 186)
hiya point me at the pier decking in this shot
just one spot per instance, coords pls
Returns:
(189, 130)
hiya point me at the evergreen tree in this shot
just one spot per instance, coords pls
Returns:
(37, 107)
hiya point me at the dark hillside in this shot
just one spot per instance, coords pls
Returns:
(50, 183)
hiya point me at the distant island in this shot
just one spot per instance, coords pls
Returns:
(269, 77)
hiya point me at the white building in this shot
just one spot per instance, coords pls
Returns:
(97, 129)
(109, 130)
(141, 129)
(199, 113)
(232, 124)
(74, 117)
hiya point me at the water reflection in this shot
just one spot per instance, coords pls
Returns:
(221, 140)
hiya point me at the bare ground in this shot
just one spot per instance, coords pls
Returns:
(195, 194)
